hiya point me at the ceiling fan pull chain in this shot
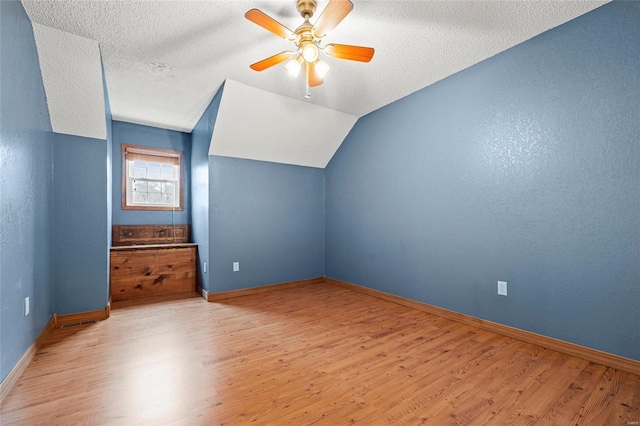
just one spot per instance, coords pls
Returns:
(307, 93)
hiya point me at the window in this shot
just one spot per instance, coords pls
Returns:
(151, 178)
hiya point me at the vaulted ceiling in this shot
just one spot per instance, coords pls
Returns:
(164, 60)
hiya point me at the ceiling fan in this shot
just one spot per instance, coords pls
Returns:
(307, 38)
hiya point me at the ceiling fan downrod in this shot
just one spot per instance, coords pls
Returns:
(306, 8)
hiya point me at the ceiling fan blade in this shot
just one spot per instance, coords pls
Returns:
(331, 16)
(271, 61)
(268, 23)
(314, 80)
(353, 53)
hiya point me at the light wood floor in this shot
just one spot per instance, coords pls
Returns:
(316, 354)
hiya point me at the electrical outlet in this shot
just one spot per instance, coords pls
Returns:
(26, 306)
(502, 288)
(236, 266)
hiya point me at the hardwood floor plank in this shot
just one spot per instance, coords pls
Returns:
(599, 405)
(306, 355)
(573, 396)
(508, 404)
(626, 410)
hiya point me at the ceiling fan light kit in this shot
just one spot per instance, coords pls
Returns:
(310, 52)
(294, 65)
(307, 39)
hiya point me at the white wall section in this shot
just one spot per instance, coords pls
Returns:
(72, 78)
(259, 125)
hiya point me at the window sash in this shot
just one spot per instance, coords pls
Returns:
(130, 187)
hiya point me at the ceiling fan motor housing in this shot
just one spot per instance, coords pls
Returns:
(306, 8)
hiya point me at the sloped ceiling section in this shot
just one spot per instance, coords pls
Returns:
(72, 78)
(164, 60)
(259, 125)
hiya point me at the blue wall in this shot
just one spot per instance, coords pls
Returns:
(267, 216)
(109, 124)
(26, 182)
(200, 141)
(523, 168)
(136, 134)
(80, 219)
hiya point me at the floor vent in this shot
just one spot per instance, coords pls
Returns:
(78, 324)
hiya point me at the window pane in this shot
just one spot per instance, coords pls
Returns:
(154, 197)
(168, 198)
(167, 171)
(140, 164)
(154, 186)
(168, 187)
(139, 197)
(139, 172)
(139, 185)
(154, 171)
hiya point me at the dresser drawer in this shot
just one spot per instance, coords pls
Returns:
(127, 234)
(146, 233)
(139, 272)
(127, 264)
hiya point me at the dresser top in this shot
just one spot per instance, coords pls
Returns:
(152, 246)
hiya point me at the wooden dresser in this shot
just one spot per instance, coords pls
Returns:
(151, 260)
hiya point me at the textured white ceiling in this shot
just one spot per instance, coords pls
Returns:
(164, 60)
(261, 125)
(72, 79)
